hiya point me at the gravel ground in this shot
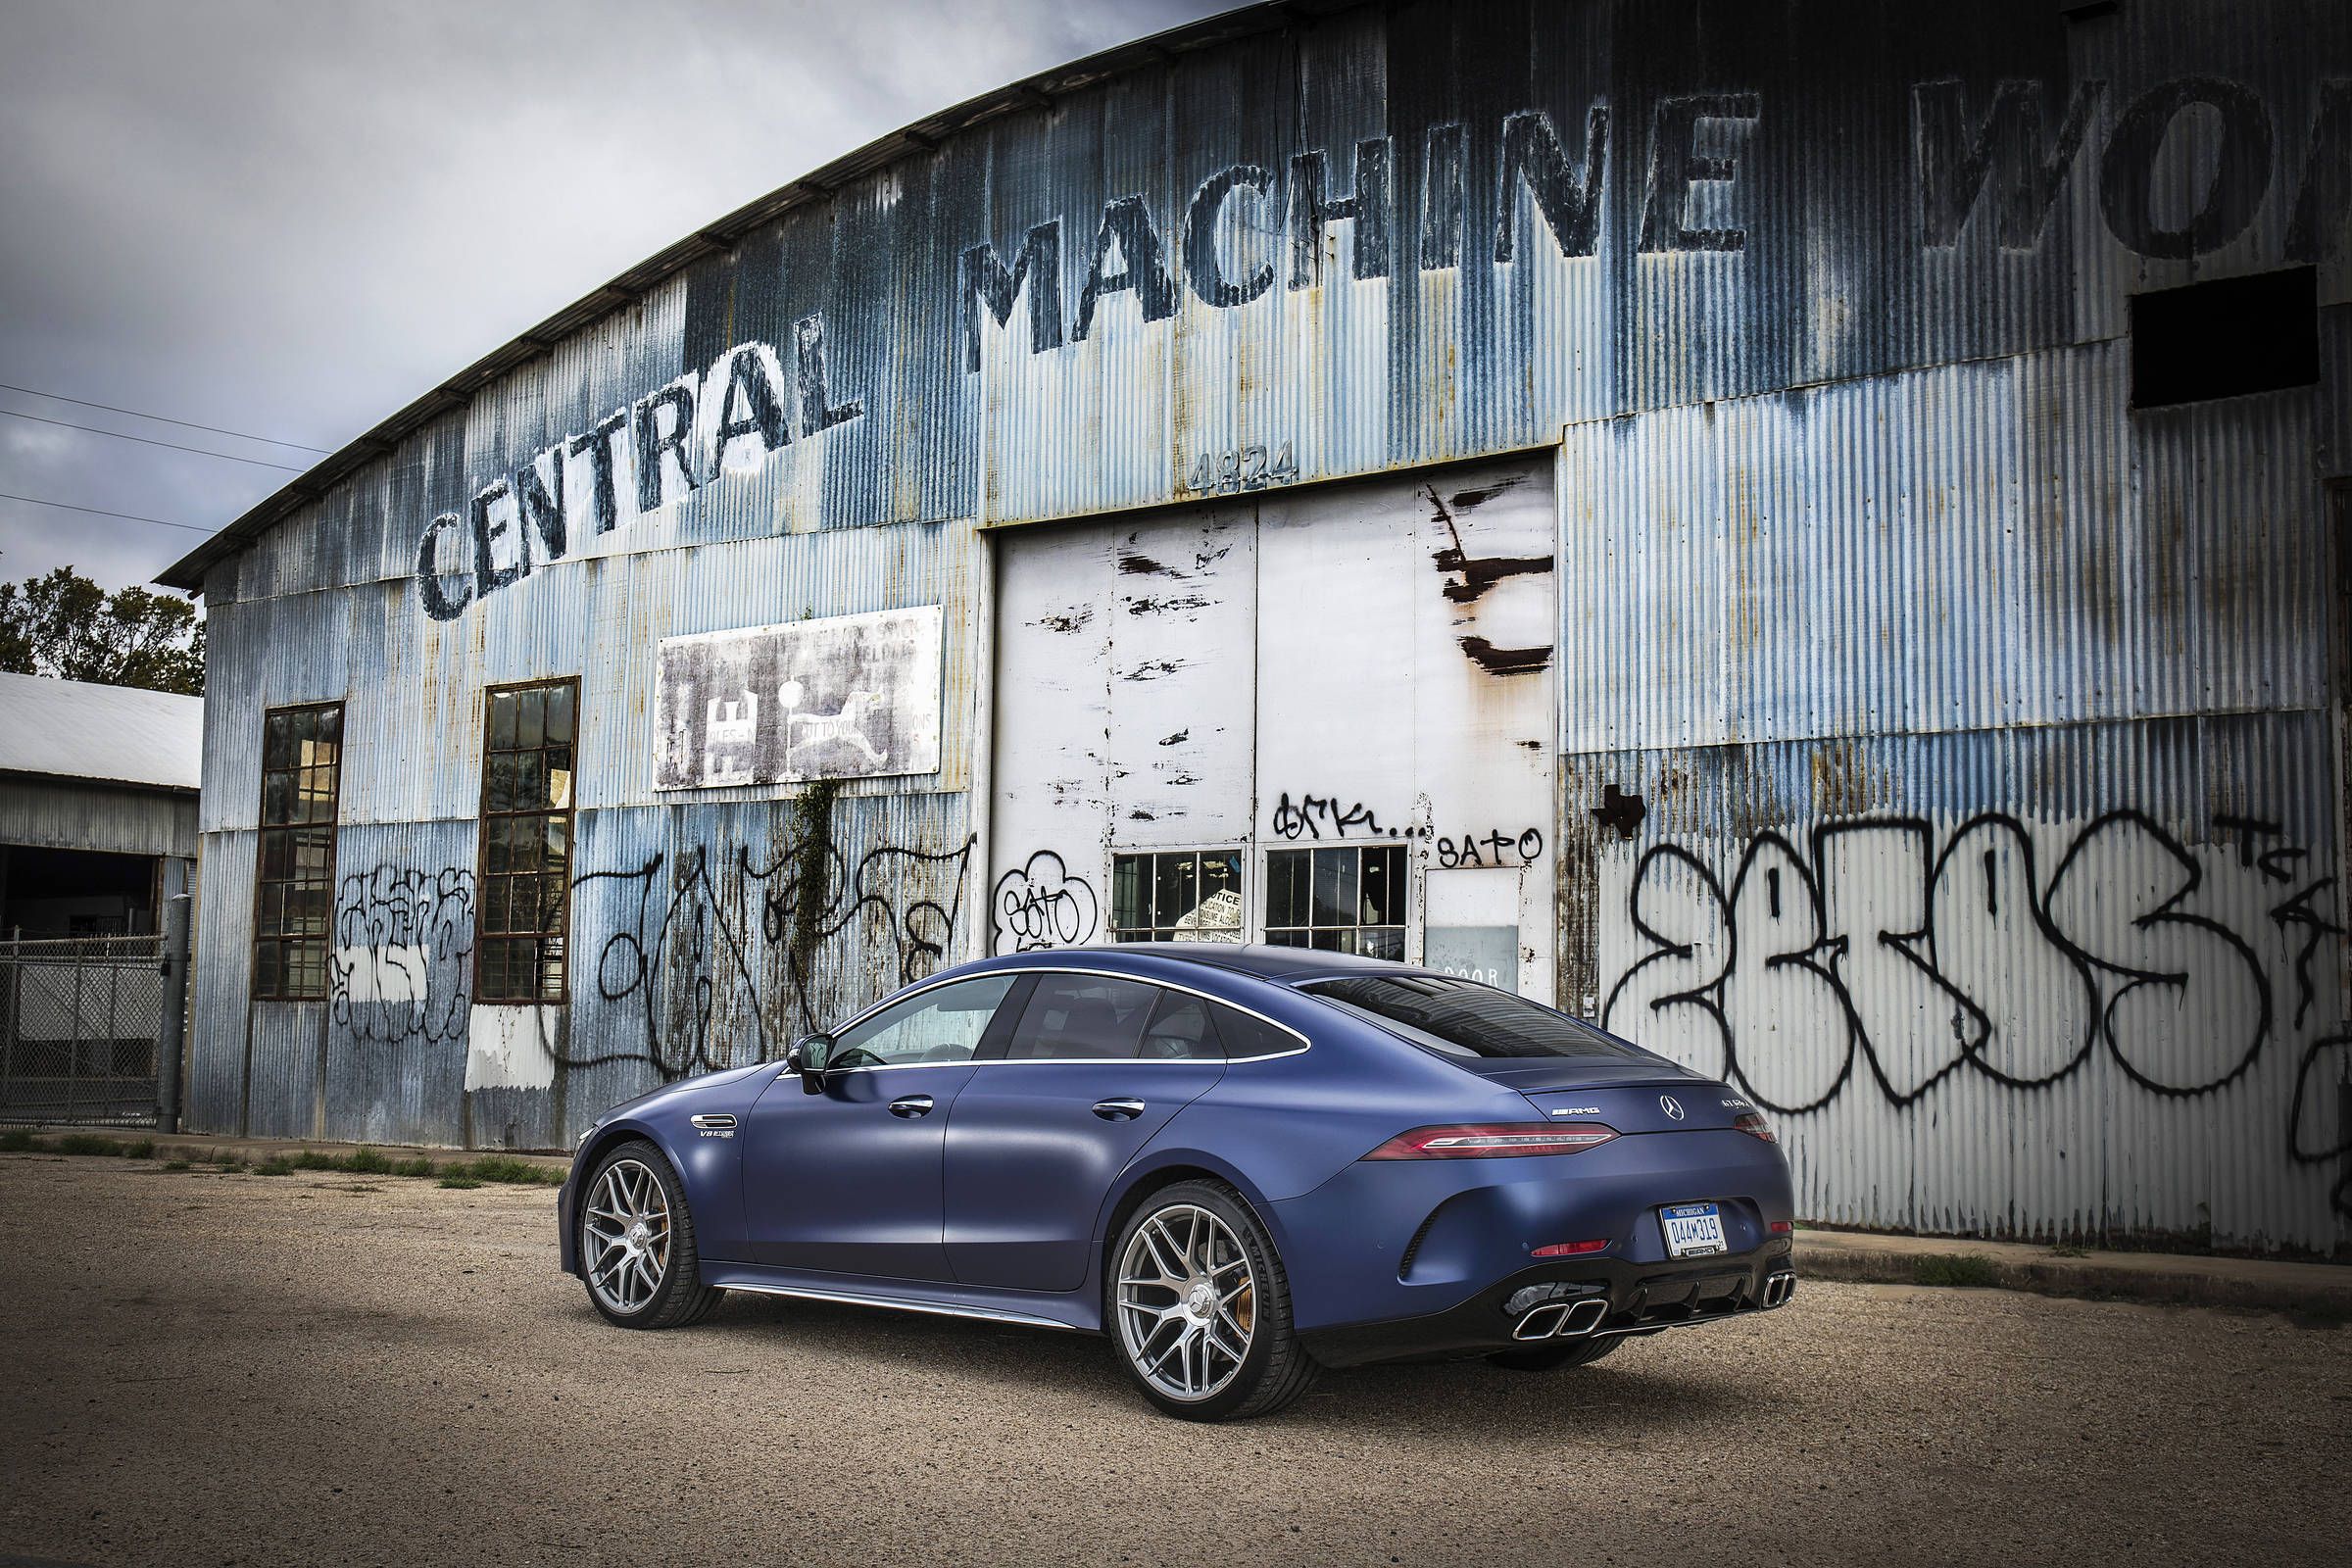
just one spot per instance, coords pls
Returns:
(207, 1368)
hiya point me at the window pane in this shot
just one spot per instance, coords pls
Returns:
(305, 909)
(1175, 888)
(498, 782)
(1221, 873)
(1381, 942)
(1180, 1030)
(277, 857)
(314, 854)
(269, 912)
(551, 969)
(489, 970)
(558, 781)
(1285, 876)
(552, 900)
(1335, 887)
(318, 795)
(277, 744)
(1129, 911)
(557, 856)
(1081, 1016)
(558, 715)
(277, 799)
(502, 722)
(945, 1024)
(494, 903)
(1384, 887)
(306, 969)
(326, 726)
(268, 970)
(1246, 1036)
(530, 719)
(1286, 938)
(524, 843)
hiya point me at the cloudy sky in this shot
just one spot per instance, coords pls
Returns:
(290, 219)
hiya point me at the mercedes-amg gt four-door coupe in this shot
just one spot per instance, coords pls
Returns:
(1240, 1164)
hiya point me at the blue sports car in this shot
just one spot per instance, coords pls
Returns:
(1240, 1164)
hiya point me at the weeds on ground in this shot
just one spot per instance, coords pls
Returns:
(503, 1169)
(1954, 1268)
(2069, 1249)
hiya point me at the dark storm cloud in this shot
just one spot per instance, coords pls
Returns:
(292, 218)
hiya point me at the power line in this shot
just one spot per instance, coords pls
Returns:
(164, 419)
(149, 440)
(101, 512)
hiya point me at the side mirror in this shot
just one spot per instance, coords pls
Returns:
(808, 1058)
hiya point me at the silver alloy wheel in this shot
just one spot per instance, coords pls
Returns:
(625, 1235)
(1187, 1303)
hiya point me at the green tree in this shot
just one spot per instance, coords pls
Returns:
(67, 626)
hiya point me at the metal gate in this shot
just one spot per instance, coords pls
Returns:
(80, 1018)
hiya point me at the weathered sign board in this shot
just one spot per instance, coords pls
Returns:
(845, 696)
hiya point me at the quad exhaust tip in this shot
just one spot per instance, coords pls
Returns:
(1778, 1288)
(1563, 1320)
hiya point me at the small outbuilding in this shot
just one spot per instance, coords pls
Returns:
(97, 805)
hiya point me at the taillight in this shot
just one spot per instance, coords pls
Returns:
(1492, 1140)
(1755, 1126)
(1570, 1249)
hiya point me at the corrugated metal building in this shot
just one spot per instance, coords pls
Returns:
(98, 815)
(1802, 528)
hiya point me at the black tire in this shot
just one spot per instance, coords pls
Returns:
(1554, 1357)
(679, 1297)
(1276, 1368)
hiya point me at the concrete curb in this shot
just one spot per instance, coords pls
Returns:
(2316, 1290)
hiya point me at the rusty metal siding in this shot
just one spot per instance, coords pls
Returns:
(2046, 982)
(118, 820)
(1994, 543)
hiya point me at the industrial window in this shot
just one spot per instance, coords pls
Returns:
(2225, 338)
(294, 877)
(1187, 895)
(519, 948)
(1344, 899)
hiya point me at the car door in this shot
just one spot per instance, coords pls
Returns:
(847, 1180)
(1095, 1066)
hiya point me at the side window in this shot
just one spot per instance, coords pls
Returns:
(1082, 1016)
(943, 1025)
(1180, 1030)
(1246, 1036)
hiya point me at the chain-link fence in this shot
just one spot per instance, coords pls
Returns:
(79, 1019)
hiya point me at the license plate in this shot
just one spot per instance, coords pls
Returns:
(1692, 1230)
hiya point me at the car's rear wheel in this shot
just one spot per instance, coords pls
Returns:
(1200, 1308)
(1555, 1357)
(637, 1249)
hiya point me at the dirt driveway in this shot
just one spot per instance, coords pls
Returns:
(207, 1368)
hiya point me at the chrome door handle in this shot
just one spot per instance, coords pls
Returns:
(912, 1105)
(1118, 1110)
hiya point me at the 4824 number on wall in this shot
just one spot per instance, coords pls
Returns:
(1240, 468)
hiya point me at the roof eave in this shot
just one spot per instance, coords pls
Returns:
(920, 139)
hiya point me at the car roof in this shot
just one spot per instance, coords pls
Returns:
(1263, 962)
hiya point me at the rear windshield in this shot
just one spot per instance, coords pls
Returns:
(1465, 1019)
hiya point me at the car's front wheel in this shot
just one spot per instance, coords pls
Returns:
(1200, 1308)
(637, 1247)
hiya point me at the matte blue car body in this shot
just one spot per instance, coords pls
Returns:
(1010, 1211)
